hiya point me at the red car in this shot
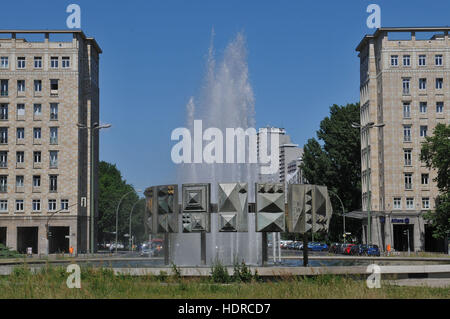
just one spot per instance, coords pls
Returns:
(348, 248)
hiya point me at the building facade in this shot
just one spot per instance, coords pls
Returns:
(405, 85)
(48, 88)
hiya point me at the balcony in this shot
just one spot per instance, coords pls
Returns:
(407, 138)
(37, 165)
(408, 186)
(37, 117)
(20, 165)
(37, 141)
(53, 92)
(20, 189)
(36, 189)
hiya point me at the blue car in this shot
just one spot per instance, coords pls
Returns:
(369, 250)
(317, 246)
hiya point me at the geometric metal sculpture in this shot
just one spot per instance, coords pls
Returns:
(270, 207)
(233, 207)
(162, 209)
(309, 208)
(196, 200)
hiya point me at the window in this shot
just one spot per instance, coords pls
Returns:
(20, 133)
(20, 85)
(54, 62)
(36, 181)
(439, 107)
(37, 157)
(4, 87)
(439, 83)
(394, 60)
(52, 204)
(37, 109)
(425, 178)
(53, 159)
(408, 181)
(407, 133)
(3, 135)
(406, 60)
(53, 183)
(4, 63)
(3, 159)
(21, 62)
(37, 86)
(37, 62)
(66, 62)
(422, 84)
(438, 59)
(3, 183)
(423, 130)
(397, 203)
(19, 181)
(3, 205)
(37, 133)
(4, 112)
(36, 206)
(53, 135)
(423, 107)
(53, 111)
(408, 157)
(422, 60)
(19, 205)
(20, 157)
(64, 204)
(425, 202)
(409, 203)
(406, 110)
(20, 109)
(53, 87)
(406, 86)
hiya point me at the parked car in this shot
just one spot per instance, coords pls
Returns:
(369, 250)
(318, 246)
(335, 248)
(347, 248)
(146, 252)
(355, 250)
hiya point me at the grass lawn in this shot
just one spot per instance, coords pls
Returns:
(50, 282)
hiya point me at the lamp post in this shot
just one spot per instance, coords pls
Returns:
(47, 230)
(129, 230)
(343, 211)
(117, 214)
(92, 129)
(366, 128)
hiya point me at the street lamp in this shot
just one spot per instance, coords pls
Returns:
(343, 211)
(366, 128)
(117, 214)
(95, 127)
(129, 231)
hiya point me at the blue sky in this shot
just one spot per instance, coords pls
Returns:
(301, 58)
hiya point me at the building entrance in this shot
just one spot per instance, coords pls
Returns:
(401, 233)
(27, 237)
(58, 242)
(3, 235)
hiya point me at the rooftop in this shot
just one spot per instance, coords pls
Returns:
(400, 29)
(80, 32)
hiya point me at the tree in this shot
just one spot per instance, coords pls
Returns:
(337, 164)
(435, 154)
(112, 188)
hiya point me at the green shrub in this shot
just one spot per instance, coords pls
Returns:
(219, 273)
(6, 252)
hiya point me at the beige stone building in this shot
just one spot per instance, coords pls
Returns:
(48, 84)
(405, 85)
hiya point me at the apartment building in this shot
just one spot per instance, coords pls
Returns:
(48, 87)
(405, 85)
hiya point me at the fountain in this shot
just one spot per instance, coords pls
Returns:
(226, 100)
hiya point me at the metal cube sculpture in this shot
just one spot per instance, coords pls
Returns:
(309, 208)
(233, 207)
(196, 202)
(162, 209)
(270, 207)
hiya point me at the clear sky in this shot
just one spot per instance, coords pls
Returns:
(301, 58)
